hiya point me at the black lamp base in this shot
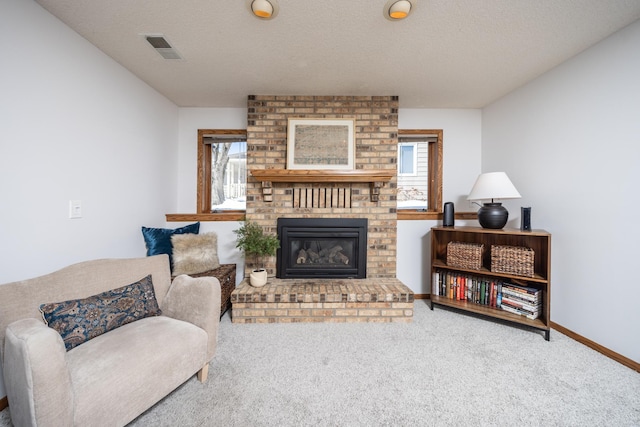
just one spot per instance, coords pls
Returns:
(493, 215)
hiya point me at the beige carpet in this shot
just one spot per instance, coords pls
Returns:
(444, 369)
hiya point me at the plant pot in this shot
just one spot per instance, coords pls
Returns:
(258, 278)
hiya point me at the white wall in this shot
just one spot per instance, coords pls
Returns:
(570, 141)
(190, 120)
(75, 125)
(461, 166)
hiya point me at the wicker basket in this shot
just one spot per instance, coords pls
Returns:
(465, 255)
(516, 260)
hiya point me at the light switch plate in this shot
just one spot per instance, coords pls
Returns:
(75, 209)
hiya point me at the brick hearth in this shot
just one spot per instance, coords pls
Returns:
(323, 300)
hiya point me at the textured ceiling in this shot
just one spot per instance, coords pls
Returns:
(446, 54)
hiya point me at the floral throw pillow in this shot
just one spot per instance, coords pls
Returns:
(77, 321)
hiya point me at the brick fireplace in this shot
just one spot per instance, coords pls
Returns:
(368, 192)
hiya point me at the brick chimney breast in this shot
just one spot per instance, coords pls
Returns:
(376, 138)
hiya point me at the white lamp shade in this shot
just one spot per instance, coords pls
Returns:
(493, 185)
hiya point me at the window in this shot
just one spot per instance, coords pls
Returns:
(222, 170)
(407, 158)
(420, 170)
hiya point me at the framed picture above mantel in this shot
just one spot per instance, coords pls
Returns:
(321, 144)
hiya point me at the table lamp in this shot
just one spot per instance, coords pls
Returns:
(493, 185)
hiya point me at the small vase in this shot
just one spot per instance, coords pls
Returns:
(258, 278)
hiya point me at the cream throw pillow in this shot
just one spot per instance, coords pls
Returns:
(194, 253)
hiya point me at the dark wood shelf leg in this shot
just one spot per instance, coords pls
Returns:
(547, 335)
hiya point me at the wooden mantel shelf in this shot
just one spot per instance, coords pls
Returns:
(376, 177)
(313, 175)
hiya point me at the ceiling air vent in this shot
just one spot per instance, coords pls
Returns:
(162, 46)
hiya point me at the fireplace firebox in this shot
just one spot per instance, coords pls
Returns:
(322, 248)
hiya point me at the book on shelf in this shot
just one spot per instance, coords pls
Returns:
(527, 290)
(528, 294)
(520, 305)
(521, 312)
(491, 292)
(515, 295)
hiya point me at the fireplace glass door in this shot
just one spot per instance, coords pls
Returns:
(322, 248)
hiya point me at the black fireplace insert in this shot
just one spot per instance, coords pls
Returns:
(322, 248)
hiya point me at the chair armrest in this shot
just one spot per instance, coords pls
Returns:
(196, 300)
(36, 375)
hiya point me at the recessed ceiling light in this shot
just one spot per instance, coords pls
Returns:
(396, 10)
(263, 9)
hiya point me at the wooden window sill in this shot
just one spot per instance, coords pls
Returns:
(203, 217)
(403, 215)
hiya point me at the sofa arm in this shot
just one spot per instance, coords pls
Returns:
(36, 375)
(196, 300)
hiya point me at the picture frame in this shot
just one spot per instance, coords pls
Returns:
(321, 144)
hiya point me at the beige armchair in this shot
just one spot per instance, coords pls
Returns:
(112, 378)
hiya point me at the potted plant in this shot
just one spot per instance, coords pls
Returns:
(253, 241)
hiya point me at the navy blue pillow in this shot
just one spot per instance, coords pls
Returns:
(158, 240)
